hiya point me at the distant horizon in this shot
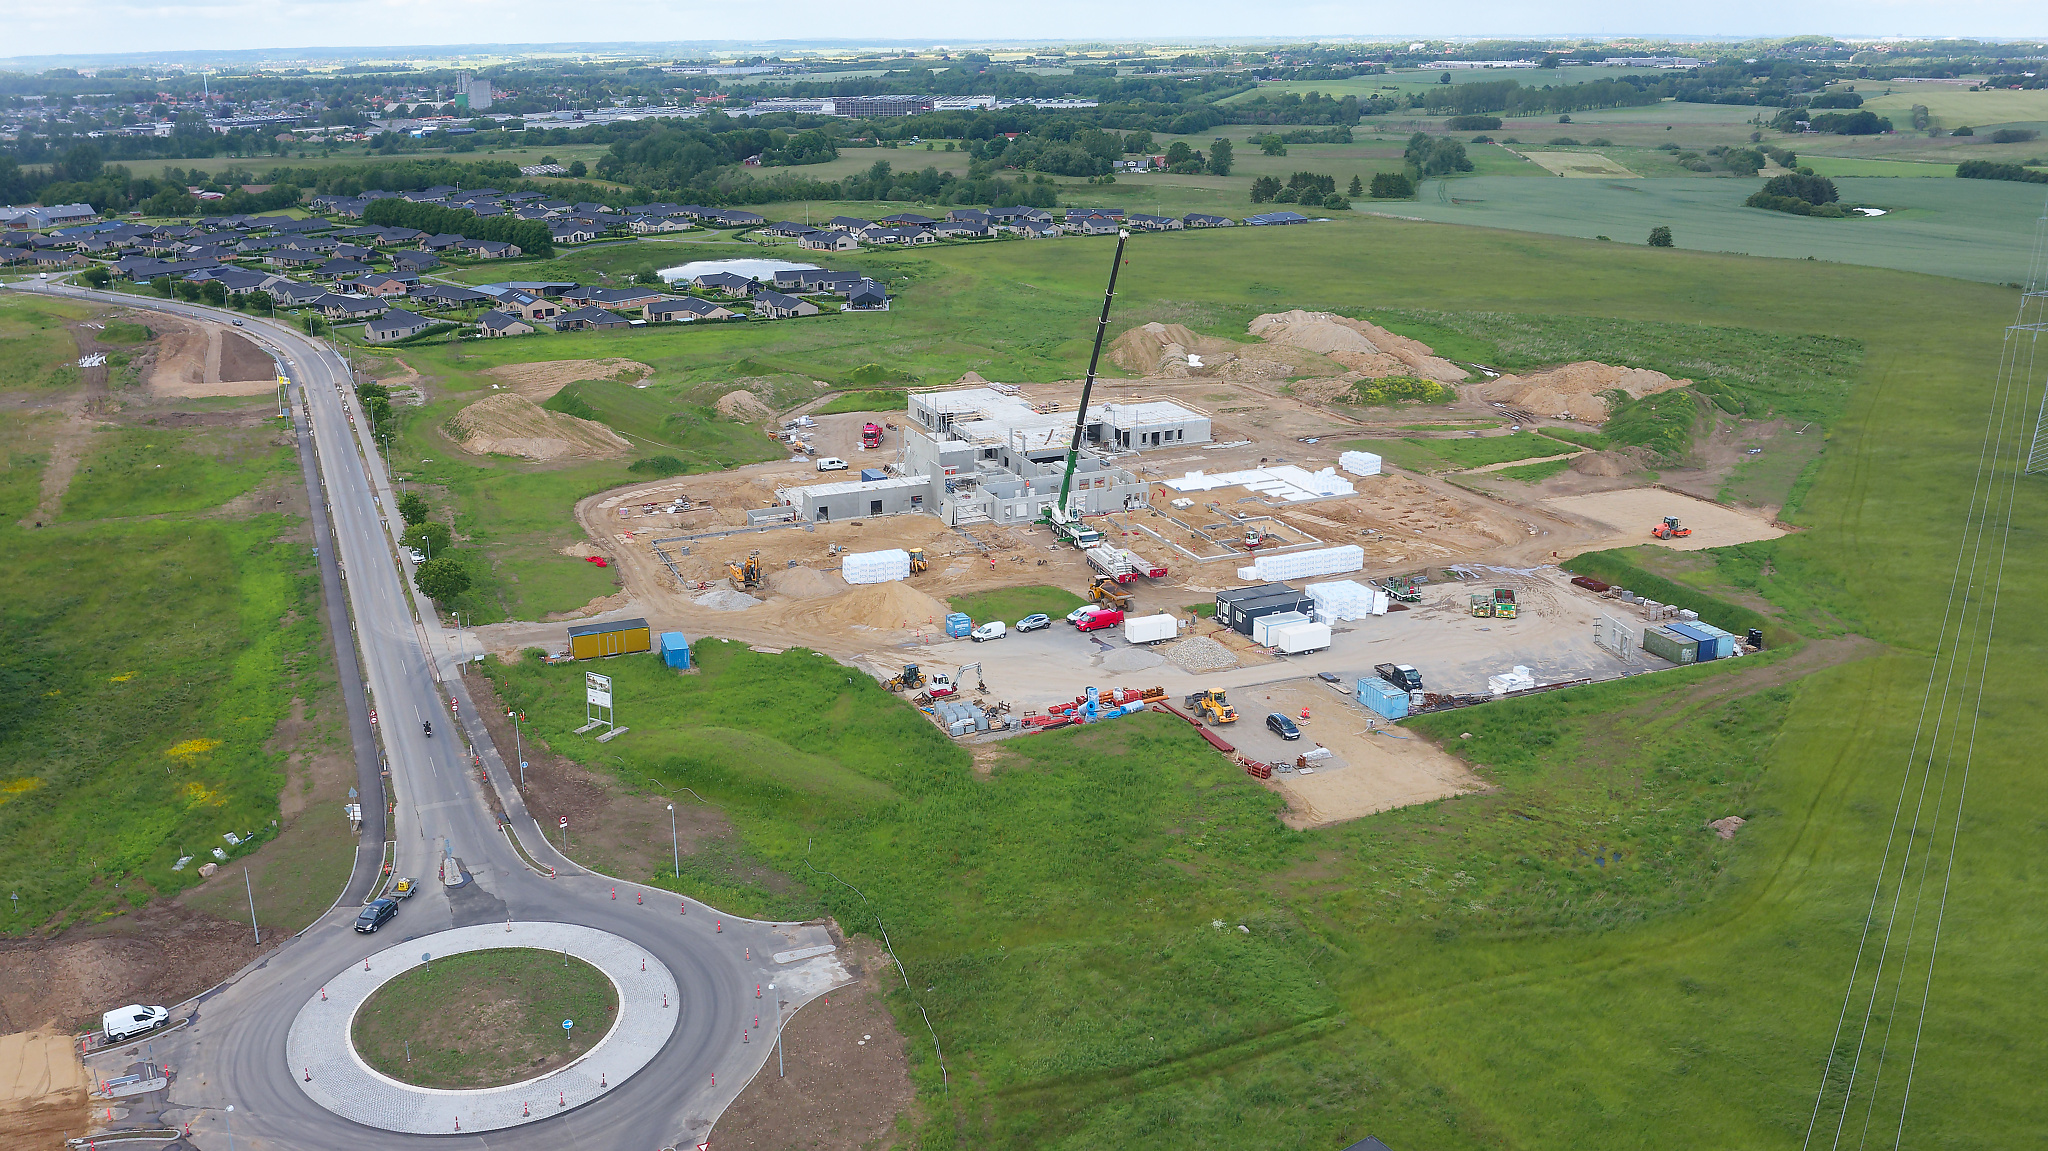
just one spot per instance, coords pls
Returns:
(216, 55)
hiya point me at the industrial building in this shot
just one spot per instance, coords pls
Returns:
(1238, 608)
(984, 415)
(858, 499)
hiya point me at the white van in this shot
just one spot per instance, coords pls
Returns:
(133, 1019)
(831, 464)
(994, 629)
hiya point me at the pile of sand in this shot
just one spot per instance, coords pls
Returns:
(1365, 348)
(806, 583)
(42, 1089)
(512, 425)
(544, 379)
(726, 599)
(1576, 388)
(744, 406)
(882, 606)
(1163, 350)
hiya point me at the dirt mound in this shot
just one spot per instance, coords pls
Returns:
(512, 425)
(42, 1089)
(1362, 347)
(1164, 350)
(744, 406)
(1576, 388)
(806, 583)
(544, 379)
(882, 606)
(1605, 464)
(726, 599)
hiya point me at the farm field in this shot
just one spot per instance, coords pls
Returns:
(1572, 959)
(1959, 228)
(1954, 105)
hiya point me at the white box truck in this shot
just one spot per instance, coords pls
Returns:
(1294, 639)
(1150, 628)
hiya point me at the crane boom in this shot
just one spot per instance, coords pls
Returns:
(1057, 513)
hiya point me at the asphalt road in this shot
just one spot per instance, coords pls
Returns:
(233, 1053)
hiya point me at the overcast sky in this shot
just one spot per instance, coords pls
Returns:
(63, 27)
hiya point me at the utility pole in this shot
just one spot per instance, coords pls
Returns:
(675, 851)
(252, 906)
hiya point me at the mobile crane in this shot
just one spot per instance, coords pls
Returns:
(1066, 524)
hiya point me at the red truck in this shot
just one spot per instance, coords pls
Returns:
(871, 436)
(1098, 619)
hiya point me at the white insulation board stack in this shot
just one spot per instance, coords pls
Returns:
(1346, 600)
(1520, 679)
(1301, 565)
(876, 567)
(1359, 463)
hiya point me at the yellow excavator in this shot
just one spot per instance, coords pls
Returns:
(1104, 591)
(1210, 704)
(747, 575)
(917, 561)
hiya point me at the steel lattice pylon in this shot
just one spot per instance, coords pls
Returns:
(2023, 339)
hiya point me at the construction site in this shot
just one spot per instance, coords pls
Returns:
(1220, 471)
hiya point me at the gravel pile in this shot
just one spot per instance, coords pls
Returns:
(1200, 653)
(1132, 659)
(725, 599)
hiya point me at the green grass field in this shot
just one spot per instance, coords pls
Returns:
(1535, 473)
(863, 401)
(1956, 228)
(1849, 166)
(1568, 960)
(140, 471)
(1430, 455)
(484, 1018)
(1953, 105)
(1014, 603)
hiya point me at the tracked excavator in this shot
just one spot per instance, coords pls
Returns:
(745, 575)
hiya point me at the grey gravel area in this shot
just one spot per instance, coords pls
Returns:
(725, 599)
(319, 1043)
(1132, 659)
(1200, 653)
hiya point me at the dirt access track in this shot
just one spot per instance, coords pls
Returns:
(1634, 511)
(197, 358)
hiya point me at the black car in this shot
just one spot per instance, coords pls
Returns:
(1282, 726)
(376, 914)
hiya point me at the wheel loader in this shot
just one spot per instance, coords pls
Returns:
(1210, 704)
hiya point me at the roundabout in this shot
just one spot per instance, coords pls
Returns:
(328, 1068)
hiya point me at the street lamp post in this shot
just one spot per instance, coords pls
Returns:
(231, 1127)
(518, 750)
(675, 851)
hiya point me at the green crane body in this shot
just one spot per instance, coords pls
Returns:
(1056, 515)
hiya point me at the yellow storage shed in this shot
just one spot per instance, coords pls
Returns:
(620, 637)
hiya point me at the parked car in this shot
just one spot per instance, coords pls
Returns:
(831, 464)
(376, 914)
(1099, 618)
(1282, 726)
(1034, 622)
(993, 629)
(133, 1019)
(416, 555)
(1075, 615)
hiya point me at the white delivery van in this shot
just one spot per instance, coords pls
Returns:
(993, 629)
(1150, 628)
(133, 1019)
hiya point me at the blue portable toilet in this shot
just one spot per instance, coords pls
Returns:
(675, 650)
(1382, 698)
(958, 625)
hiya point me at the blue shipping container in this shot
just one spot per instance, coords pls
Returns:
(869, 475)
(1724, 641)
(1710, 644)
(675, 650)
(958, 624)
(1383, 698)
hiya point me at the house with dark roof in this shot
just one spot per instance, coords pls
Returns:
(336, 307)
(529, 307)
(729, 218)
(445, 296)
(832, 240)
(960, 230)
(849, 223)
(441, 242)
(727, 283)
(414, 261)
(632, 297)
(1147, 223)
(685, 309)
(786, 230)
(404, 236)
(867, 296)
(907, 237)
(1090, 226)
(590, 319)
(572, 233)
(906, 220)
(341, 269)
(13, 255)
(490, 249)
(497, 323)
(242, 281)
(292, 294)
(1017, 212)
(776, 306)
(379, 284)
(292, 257)
(1204, 220)
(395, 324)
(1270, 218)
(968, 216)
(650, 225)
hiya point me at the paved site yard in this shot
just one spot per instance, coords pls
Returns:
(1375, 766)
(1640, 509)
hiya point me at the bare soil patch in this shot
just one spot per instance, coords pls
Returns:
(485, 1018)
(1365, 348)
(1574, 391)
(743, 406)
(513, 425)
(1634, 511)
(539, 381)
(42, 1090)
(241, 359)
(197, 358)
(162, 953)
(844, 1080)
(1375, 766)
